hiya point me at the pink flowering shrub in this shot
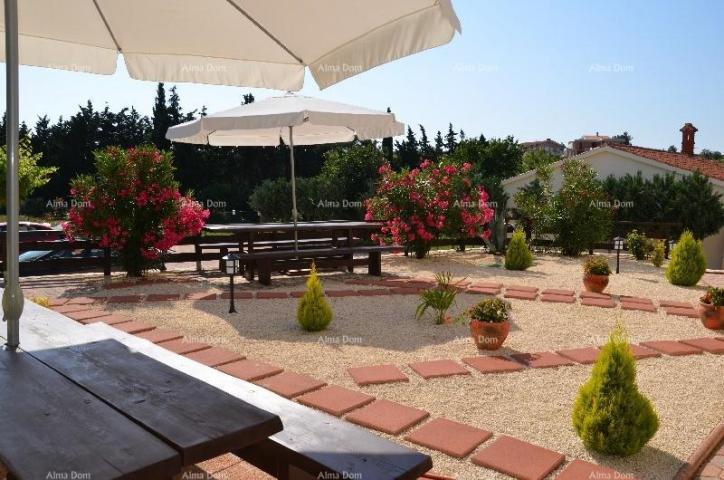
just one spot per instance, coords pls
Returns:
(429, 202)
(133, 205)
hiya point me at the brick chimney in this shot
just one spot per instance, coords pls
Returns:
(687, 138)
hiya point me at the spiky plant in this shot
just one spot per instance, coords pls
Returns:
(439, 298)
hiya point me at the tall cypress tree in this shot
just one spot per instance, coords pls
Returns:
(387, 145)
(439, 144)
(426, 150)
(450, 139)
(161, 120)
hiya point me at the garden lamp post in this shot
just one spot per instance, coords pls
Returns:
(672, 243)
(231, 264)
(618, 246)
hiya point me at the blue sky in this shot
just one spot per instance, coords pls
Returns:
(533, 69)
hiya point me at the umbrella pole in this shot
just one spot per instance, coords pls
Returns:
(294, 187)
(12, 295)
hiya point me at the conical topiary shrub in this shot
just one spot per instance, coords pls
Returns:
(313, 312)
(518, 256)
(610, 414)
(688, 263)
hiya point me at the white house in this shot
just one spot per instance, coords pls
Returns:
(618, 160)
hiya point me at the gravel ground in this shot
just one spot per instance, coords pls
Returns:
(533, 405)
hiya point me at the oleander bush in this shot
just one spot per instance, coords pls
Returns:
(657, 257)
(518, 256)
(313, 312)
(610, 415)
(688, 263)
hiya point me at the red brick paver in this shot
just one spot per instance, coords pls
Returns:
(162, 297)
(558, 291)
(387, 416)
(238, 295)
(495, 285)
(111, 319)
(521, 288)
(682, 312)
(644, 307)
(125, 298)
(453, 438)
(520, 294)
(640, 352)
(598, 302)
(439, 368)
(707, 344)
(249, 370)
(483, 290)
(377, 374)
(272, 295)
(550, 297)
(639, 300)
(578, 470)
(587, 294)
(340, 293)
(214, 356)
(87, 314)
(542, 359)
(673, 303)
(200, 296)
(182, 347)
(66, 309)
(56, 302)
(158, 335)
(335, 400)
(519, 459)
(290, 384)
(671, 347)
(133, 327)
(493, 364)
(405, 290)
(373, 292)
(585, 355)
(85, 300)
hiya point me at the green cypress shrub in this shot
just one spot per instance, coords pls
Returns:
(688, 263)
(659, 253)
(313, 312)
(610, 415)
(518, 256)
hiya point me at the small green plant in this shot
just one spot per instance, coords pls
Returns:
(639, 244)
(491, 310)
(657, 258)
(518, 256)
(688, 263)
(714, 296)
(596, 265)
(610, 415)
(439, 298)
(313, 312)
(42, 301)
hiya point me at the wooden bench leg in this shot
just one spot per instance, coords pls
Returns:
(374, 264)
(350, 263)
(197, 250)
(222, 263)
(264, 271)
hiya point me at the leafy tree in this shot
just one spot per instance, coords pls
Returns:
(532, 159)
(672, 149)
(535, 203)
(31, 175)
(624, 138)
(712, 154)
(498, 158)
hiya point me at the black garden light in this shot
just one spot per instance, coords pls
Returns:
(618, 246)
(231, 264)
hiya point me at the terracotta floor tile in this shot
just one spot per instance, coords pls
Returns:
(587, 294)
(644, 307)
(200, 296)
(65, 309)
(272, 295)
(372, 292)
(163, 297)
(707, 344)
(182, 347)
(83, 301)
(249, 370)
(549, 297)
(671, 347)
(495, 285)
(674, 303)
(158, 335)
(377, 374)
(56, 302)
(682, 312)
(585, 355)
(598, 302)
(87, 314)
(243, 295)
(482, 290)
(111, 319)
(405, 290)
(133, 327)
(520, 294)
(558, 291)
(290, 384)
(388, 417)
(542, 359)
(438, 368)
(493, 364)
(640, 300)
(341, 293)
(335, 400)
(453, 438)
(578, 469)
(125, 298)
(214, 356)
(640, 352)
(519, 459)
(521, 288)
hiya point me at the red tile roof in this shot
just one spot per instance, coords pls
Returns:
(710, 168)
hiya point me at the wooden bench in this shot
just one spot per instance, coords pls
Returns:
(266, 262)
(312, 444)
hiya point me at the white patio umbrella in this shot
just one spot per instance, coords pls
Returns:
(253, 43)
(290, 119)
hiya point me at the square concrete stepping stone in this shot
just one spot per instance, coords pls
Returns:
(373, 292)
(290, 384)
(587, 294)
(56, 302)
(297, 294)
(585, 355)
(644, 307)
(493, 364)
(671, 347)
(542, 359)
(640, 300)
(483, 290)
(598, 302)
(438, 368)
(388, 417)
(214, 356)
(125, 298)
(377, 374)
(708, 344)
(520, 294)
(496, 285)
(340, 293)
(519, 459)
(453, 438)
(133, 327)
(84, 301)
(578, 469)
(673, 303)
(682, 312)
(405, 290)
(521, 288)
(249, 370)
(162, 297)
(335, 400)
(87, 314)
(238, 295)
(182, 346)
(66, 309)
(640, 352)
(558, 291)
(158, 335)
(550, 297)
(110, 319)
(272, 295)
(200, 296)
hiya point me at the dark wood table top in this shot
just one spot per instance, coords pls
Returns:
(289, 227)
(52, 428)
(198, 420)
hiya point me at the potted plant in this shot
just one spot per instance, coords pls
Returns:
(439, 298)
(489, 323)
(710, 308)
(595, 273)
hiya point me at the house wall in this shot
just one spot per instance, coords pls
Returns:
(611, 163)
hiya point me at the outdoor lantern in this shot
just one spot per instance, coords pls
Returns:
(231, 264)
(618, 246)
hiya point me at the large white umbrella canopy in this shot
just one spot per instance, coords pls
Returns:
(292, 119)
(254, 43)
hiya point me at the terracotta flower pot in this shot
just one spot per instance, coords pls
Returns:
(488, 335)
(595, 283)
(711, 317)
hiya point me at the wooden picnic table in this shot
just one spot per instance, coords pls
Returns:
(99, 410)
